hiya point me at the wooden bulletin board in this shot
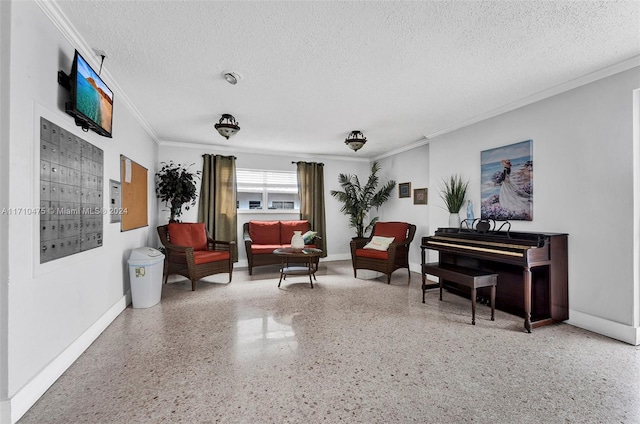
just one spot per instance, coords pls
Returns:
(134, 194)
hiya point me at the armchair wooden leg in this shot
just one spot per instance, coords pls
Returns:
(193, 285)
(388, 278)
(165, 271)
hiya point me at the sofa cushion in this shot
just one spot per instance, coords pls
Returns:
(398, 230)
(288, 227)
(191, 234)
(262, 249)
(206, 256)
(371, 253)
(265, 232)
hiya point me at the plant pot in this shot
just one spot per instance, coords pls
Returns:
(454, 220)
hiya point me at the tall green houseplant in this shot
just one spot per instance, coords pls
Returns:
(358, 200)
(176, 186)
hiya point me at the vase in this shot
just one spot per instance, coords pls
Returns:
(454, 220)
(297, 242)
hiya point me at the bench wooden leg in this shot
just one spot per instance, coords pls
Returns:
(473, 306)
(493, 302)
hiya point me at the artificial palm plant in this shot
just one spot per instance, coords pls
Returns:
(358, 200)
(454, 191)
(176, 186)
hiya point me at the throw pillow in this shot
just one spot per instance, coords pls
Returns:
(309, 236)
(379, 243)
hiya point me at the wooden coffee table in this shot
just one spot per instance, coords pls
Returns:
(306, 260)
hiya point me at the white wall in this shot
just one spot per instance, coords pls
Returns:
(411, 166)
(54, 308)
(583, 186)
(338, 232)
(5, 45)
(49, 313)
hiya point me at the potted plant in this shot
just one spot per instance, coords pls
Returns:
(359, 200)
(175, 186)
(453, 192)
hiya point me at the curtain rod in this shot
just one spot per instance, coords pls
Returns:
(319, 163)
(211, 154)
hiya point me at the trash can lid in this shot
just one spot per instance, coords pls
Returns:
(145, 256)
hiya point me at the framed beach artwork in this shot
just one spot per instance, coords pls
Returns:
(507, 182)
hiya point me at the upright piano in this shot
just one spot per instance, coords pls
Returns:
(532, 269)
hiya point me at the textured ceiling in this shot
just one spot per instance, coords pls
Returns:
(314, 71)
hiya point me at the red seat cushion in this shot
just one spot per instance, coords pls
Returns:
(397, 230)
(288, 227)
(261, 249)
(206, 256)
(188, 234)
(371, 253)
(264, 232)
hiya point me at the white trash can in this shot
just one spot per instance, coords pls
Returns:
(145, 274)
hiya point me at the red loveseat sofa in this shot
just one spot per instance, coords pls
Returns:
(261, 238)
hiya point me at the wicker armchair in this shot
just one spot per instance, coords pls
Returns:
(192, 253)
(395, 257)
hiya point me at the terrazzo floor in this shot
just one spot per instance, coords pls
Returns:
(349, 350)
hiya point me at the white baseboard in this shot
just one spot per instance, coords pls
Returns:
(615, 330)
(413, 267)
(27, 396)
(5, 411)
(338, 257)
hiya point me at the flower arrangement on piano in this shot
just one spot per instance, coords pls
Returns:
(454, 192)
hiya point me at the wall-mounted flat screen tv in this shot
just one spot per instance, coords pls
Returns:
(91, 100)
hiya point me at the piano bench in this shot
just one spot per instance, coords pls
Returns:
(467, 277)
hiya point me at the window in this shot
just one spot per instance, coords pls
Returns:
(261, 190)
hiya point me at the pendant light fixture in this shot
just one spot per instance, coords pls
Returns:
(355, 140)
(227, 126)
(231, 77)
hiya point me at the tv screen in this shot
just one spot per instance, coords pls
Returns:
(91, 100)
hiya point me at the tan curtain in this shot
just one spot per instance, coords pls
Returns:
(217, 206)
(311, 192)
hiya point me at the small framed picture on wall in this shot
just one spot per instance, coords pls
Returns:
(420, 196)
(404, 190)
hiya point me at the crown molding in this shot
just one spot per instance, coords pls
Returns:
(59, 19)
(558, 89)
(239, 149)
(414, 145)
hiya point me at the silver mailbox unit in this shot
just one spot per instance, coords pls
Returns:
(71, 201)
